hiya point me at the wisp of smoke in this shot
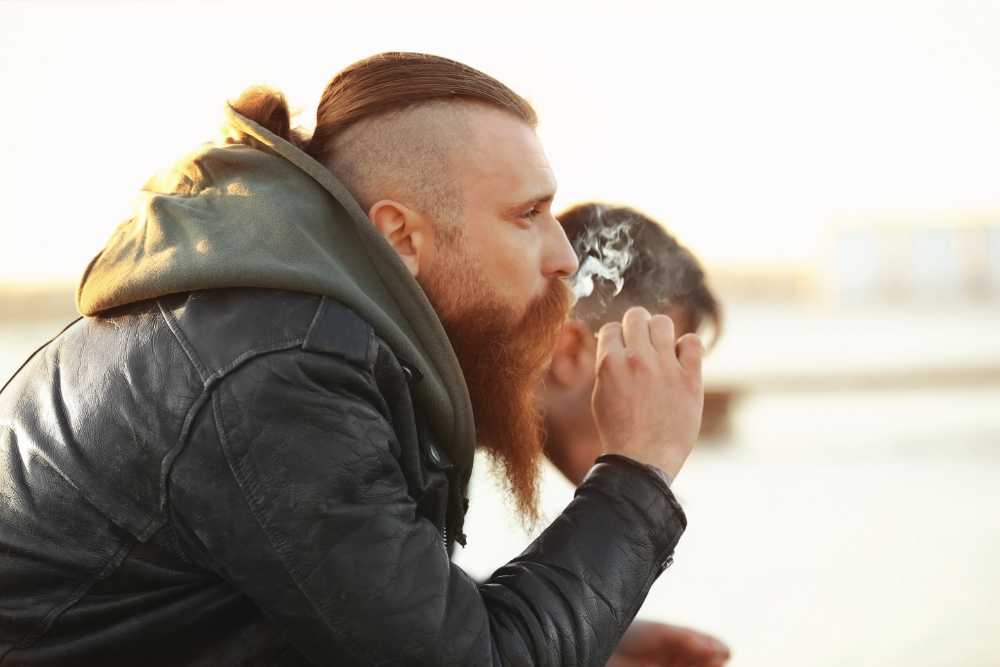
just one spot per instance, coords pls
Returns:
(604, 252)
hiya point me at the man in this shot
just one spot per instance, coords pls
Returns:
(662, 276)
(255, 447)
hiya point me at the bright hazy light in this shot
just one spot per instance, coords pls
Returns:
(751, 134)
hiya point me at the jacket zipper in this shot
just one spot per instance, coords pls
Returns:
(412, 377)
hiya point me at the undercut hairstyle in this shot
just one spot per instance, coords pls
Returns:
(386, 125)
(661, 273)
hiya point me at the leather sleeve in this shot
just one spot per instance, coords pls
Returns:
(289, 488)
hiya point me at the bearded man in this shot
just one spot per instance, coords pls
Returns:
(255, 447)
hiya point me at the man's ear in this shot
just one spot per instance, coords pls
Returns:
(573, 359)
(406, 230)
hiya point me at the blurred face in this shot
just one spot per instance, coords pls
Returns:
(497, 285)
(684, 323)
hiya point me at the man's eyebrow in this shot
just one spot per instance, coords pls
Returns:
(545, 198)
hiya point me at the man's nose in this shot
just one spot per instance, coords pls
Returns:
(560, 260)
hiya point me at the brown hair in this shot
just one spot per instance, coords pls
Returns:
(381, 83)
(662, 271)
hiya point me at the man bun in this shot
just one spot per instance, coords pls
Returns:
(268, 108)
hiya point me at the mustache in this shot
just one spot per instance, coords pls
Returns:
(555, 302)
(545, 316)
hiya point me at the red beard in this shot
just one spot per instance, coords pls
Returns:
(503, 359)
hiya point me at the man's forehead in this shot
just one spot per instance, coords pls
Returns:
(506, 153)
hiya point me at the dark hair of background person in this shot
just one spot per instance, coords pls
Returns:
(382, 83)
(662, 271)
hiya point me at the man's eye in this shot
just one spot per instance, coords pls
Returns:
(532, 213)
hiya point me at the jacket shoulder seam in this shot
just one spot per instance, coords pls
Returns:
(277, 346)
(182, 340)
(209, 377)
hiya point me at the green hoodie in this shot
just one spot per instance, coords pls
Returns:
(229, 215)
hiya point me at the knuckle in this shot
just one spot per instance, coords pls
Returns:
(639, 362)
(607, 364)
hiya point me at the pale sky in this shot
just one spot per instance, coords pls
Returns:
(749, 133)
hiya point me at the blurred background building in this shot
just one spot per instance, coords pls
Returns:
(942, 260)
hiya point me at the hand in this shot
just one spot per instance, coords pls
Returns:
(648, 395)
(649, 644)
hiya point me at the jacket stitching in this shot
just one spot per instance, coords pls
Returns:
(167, 464)
(207, 379)
(278, 346)
(320, 309)
(175, 329)
(250, 487)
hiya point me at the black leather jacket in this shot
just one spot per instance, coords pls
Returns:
(238, 477)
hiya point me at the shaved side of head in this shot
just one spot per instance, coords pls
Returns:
(413, 156)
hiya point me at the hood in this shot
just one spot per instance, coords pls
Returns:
(230, 215)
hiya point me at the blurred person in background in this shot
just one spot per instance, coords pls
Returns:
(663, 277)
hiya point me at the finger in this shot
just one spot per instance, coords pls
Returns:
(661, 334)
(635, 329)
(698, 648)
(707, 646)
(689, 352)
(609, 340)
